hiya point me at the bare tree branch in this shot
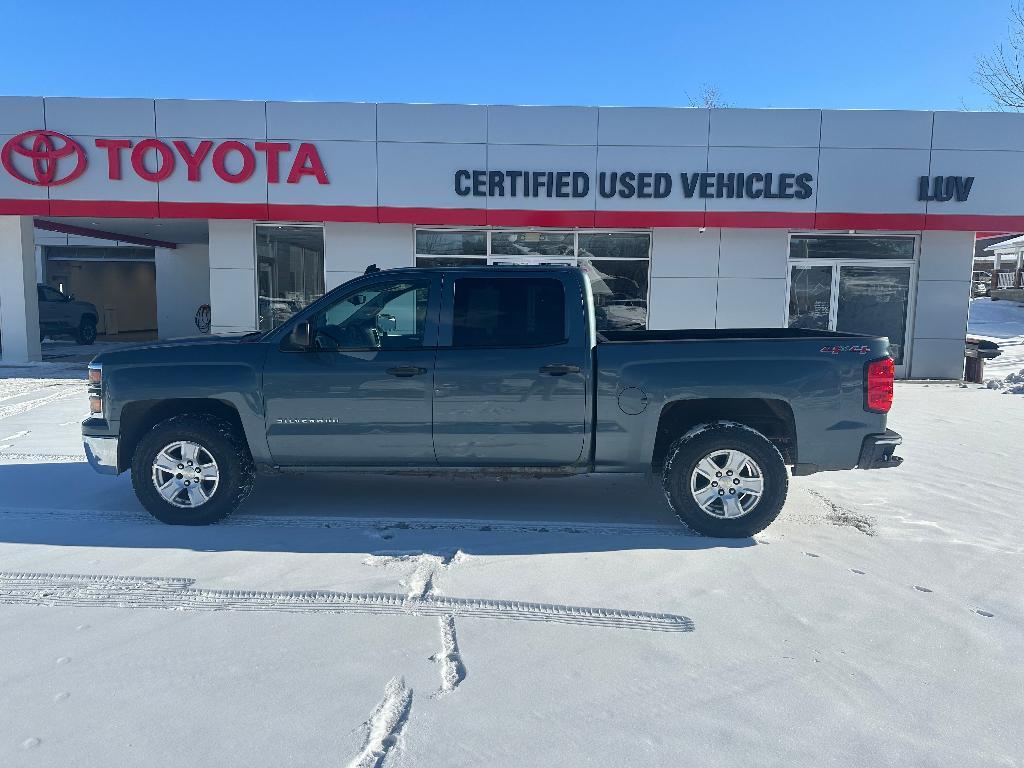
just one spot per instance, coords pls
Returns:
(708, 97)
(1000, 73)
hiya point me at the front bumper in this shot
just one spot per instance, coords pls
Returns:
(102, 454)
(877, 451)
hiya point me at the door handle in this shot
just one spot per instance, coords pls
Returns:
(559, 369)
(405, 371)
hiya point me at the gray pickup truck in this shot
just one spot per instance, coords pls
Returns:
(490, 370)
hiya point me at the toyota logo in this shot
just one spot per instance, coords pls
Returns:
(46, 152)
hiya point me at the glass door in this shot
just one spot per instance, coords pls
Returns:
(875, 300)
(853, 297)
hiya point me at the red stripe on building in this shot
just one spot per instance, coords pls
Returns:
(502, 218)
(289, 212)
(513, 218)
(24, 207)
(974, 223)
(882, 221)
(172, 210)
(448, 216)
(616, 219)
(109, 208)
(757, 219)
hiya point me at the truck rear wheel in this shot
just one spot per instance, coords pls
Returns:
(192, 470)
(725, 480)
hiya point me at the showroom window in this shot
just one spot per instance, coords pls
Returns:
(618, 263)
(854, 284)
(289, 270)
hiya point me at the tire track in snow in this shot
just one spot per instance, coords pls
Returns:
(371, 524)
(75, 590)
(385, 725)
(16, 409)
(453, 669)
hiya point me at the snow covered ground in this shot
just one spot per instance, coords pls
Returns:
(426, 622)
(1003, 323)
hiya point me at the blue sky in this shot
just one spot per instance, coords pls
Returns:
(860, 54)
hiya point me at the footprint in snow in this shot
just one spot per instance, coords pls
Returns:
(30, 743)
(921, 589)
(64, 660)
(986, 614)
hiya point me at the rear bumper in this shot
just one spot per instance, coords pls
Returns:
(877, 451)
(101, 453)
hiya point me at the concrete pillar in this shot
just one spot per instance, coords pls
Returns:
(943, 298)
(182, 287)
(232, 276)
(19, 305)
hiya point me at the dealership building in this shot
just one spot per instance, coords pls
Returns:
(179, 217)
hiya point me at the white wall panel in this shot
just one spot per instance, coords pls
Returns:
(978, 130)
(671, 160)
(682, 302)
(100, 117)
(182, 286)
(423, 175)
(20, 113)
(754, 253)
(684, 252)
(653, 126)
(751, 303)
(542, 125)
(350, 248)
(765, 127)
(232, 244)
(544, 158)
(937, 359)
(946, 256)
(876, 129)
(334, 279)
(321, 121)
(762, 160)
(211, 119)
(942, 309)
(871, 180)
(998, 187)
(212, 188)
(351, 168)
(464, 123)
(232, 300)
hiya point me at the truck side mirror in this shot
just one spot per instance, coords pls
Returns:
(301, 336)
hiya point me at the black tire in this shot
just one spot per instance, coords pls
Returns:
(221, 440)
(86, 333)
(681, 462)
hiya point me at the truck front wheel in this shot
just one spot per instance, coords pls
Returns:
(192, 470)
(725, 480)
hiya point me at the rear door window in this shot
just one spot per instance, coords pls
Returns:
(508, 312)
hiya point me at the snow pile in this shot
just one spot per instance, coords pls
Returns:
(1011, 385)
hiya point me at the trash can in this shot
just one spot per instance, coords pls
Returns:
(976, 353)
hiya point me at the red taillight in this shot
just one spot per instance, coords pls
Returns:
(878, 387)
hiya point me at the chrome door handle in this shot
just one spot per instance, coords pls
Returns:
(405, 371)
(559, 369)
